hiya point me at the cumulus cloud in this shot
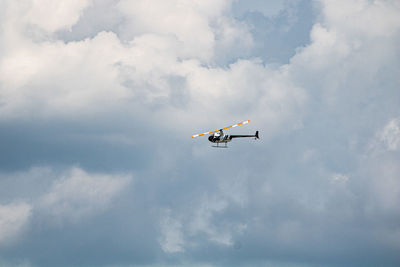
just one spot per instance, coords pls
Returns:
(47, 69)
(363, 18)
(52, 16)
(179, 19)
(143, 73)
(124, 94)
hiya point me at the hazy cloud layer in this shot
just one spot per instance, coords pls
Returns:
(98, 100)
(12, 219)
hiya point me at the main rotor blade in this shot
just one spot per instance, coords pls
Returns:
(193, 136)
(240, 123)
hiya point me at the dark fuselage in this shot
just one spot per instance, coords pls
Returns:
(225, 138)
(219, 139)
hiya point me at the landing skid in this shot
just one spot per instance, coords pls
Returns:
(221, 146)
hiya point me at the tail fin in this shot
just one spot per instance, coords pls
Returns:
(256, 135)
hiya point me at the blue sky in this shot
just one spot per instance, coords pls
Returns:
(99, 98)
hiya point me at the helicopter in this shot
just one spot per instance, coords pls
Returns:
(218, 136)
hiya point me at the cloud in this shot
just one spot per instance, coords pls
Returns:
(202, 218)
(78, 195)
(73, 196)
(363, 18)
(204, 222)
(381, 167)
(390, 135)
(172, 237)
(53, 85)
(178, 19)
(141, 75)
(123, 94)
(52, 16)
(13, 219)
(339, 178)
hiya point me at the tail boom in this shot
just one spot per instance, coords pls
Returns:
(256, 136)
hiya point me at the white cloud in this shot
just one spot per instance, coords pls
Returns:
(53, 15)
(51, 78)
(78, 195)
(363, 17)
(380, 164)
(180, 229)
(54, 78)
(57, 79)
(390, 136)
(202, 221)
(171, 240)
(13, 219)
(187, 21)
(386, 139)
(247, 88)
(355, 36)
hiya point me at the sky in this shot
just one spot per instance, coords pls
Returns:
(99, 99)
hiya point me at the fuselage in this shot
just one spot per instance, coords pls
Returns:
(219, 138)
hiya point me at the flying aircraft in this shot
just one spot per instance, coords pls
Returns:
(218, 136)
